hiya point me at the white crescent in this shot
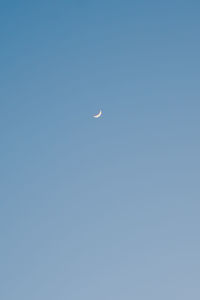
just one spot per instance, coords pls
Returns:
(98, 115)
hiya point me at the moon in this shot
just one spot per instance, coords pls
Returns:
(98, 115)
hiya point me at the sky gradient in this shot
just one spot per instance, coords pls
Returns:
(108, 208)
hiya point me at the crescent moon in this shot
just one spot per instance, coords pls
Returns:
(98, 115)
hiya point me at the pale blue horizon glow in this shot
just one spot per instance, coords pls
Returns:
(108, 208)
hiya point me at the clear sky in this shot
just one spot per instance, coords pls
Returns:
(99, 209)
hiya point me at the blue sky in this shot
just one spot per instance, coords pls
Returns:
(108, 208)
